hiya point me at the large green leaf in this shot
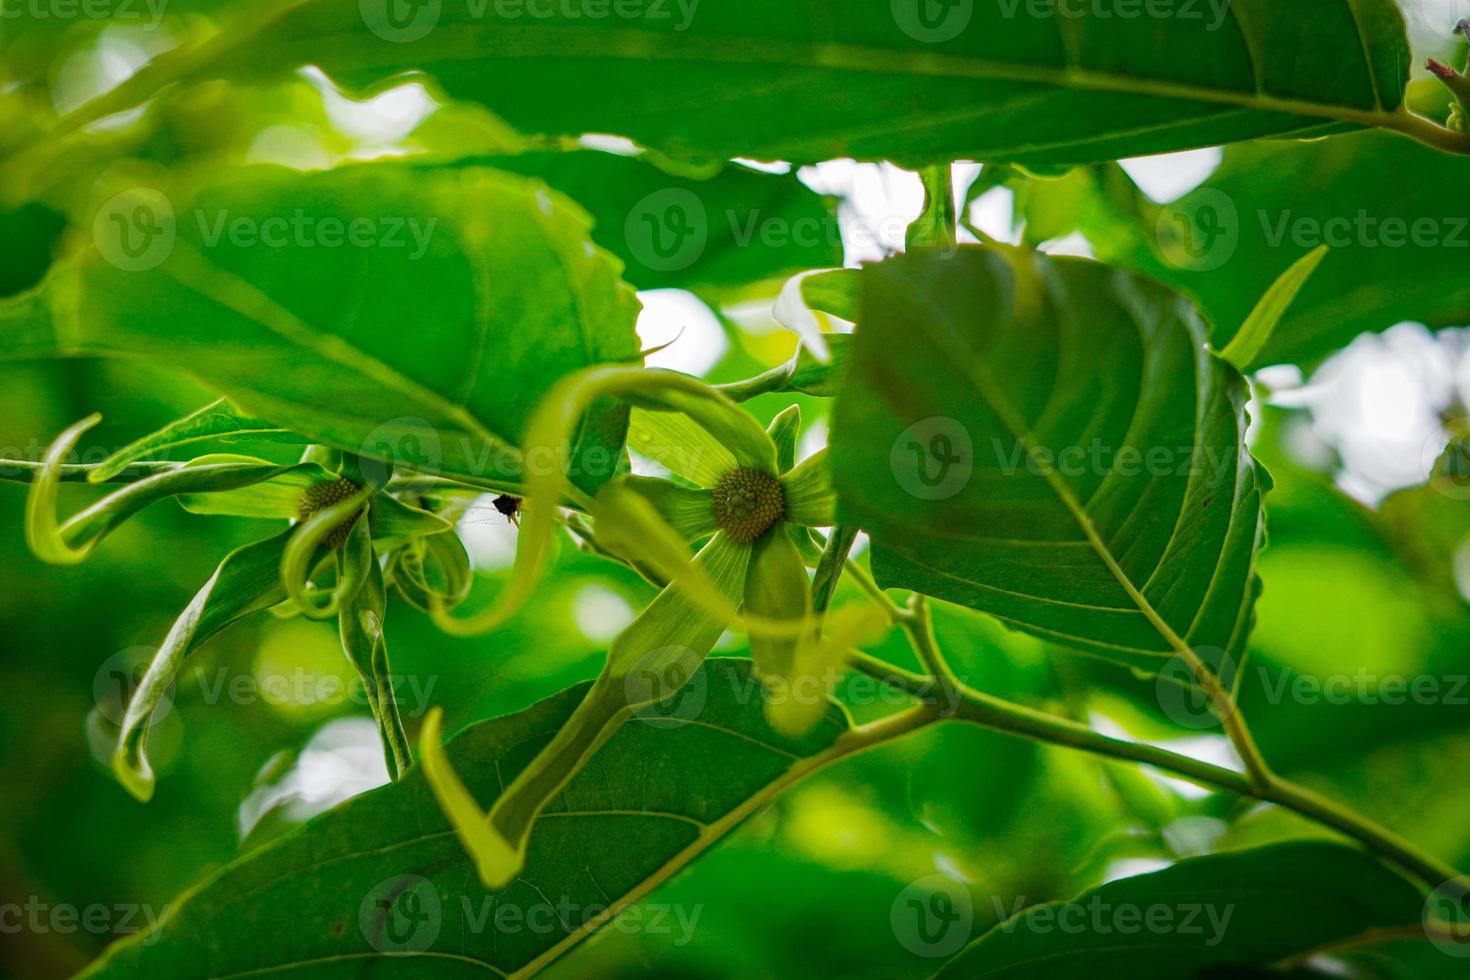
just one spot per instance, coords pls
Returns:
(1390, 211)
(733, 229)
(1246, 908)
(376, 308)
(660, 792)
(1047, 440)
(910, 81)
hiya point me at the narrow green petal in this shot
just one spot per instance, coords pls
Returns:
(432, 572)
(784, 430)
(71, 542)
(360, 627)
(218, 420)
(278, 498)
(551, 430)
(43, 532)
(395, 522)
(776, 588)
(657, 654)
(680, 445)
(810, 497)
(628, 525)
(797, 700)
(304, 549)
(247, 581)
(690, 512)
(496, 861)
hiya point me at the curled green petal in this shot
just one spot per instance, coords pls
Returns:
(43, 532)
(395, 522)
(495, 859)
(432, 572)
(247, 581)
(650, 662)
(810, 497)
(218, 420)
(303, 550)
(548, 438)
(798, 699)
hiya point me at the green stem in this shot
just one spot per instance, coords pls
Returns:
(864, 581)
(829, 569)
(982, 709)
(776, 379)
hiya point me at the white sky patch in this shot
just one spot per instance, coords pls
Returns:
(813, 439)
(994, 214)
(1377, 404)
(676, 313)
(600, 613)
(1169, 176)
(609, 143)
(879, 202)
(342, 759)
(764, 166)
(383, 120)
(1074, 244)
(1131, 867)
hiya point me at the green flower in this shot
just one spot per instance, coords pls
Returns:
(753, 505)
(341, 523)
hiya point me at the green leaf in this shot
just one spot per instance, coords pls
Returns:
(457, 299)
(1246, 345)
(884, 81)
(735, 228)
(1048, 441)
(656, 796)
(1244, 908)
(247, 581)
(1398, 242)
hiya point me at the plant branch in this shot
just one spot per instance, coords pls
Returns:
(982, 709)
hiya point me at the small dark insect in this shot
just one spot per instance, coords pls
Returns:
(510, 507)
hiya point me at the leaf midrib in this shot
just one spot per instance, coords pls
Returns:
(985, 386)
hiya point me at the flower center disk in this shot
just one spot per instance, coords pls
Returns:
(320, 496)
(747, 503)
